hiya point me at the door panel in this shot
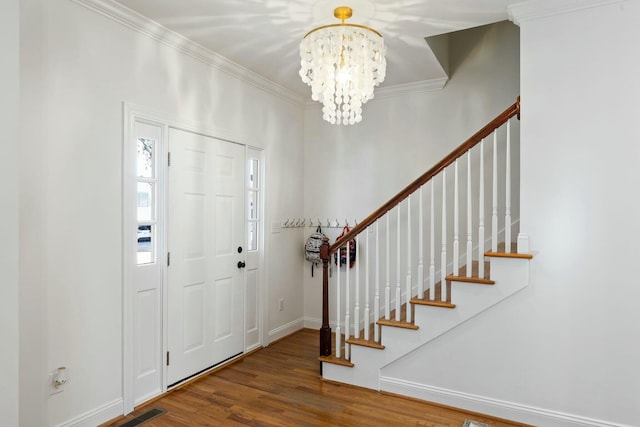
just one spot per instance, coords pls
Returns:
(206, 225)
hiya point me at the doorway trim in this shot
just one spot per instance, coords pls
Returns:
(133, 113)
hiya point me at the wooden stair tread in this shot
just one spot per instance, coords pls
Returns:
(501, 253)
(436, 302)
(475, 274)
(365, 343)
(397, 323)
(336, 360)
(433, 303)
(332, 358)
(506, 255)
(466, 279)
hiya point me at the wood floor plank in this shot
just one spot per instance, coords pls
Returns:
(280, 386)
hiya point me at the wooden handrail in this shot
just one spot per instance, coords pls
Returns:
(425, 177)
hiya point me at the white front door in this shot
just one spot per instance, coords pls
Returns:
(206, 245)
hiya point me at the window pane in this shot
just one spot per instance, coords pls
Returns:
(146, 202)
(145, 244)
(146, 155)
(253, 205)
(253, 173)
(252, 244)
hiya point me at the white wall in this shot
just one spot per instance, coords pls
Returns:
(33, 290)
(78, 68)
(565, 350)
(9, 106)
(350, 171)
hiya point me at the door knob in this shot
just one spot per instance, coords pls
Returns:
(241, 264)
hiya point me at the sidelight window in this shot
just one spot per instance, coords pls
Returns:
(146, 213)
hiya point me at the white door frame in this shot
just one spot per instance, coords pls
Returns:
(131, 114)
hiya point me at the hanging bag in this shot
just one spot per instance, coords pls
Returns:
(312, 248)
(343, 250)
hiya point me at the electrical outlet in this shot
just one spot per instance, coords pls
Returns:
(57, 380)
(281, 304)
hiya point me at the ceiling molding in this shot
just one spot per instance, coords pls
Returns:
(137, 22)
(533, 10)
(432, 85)
(414, 87)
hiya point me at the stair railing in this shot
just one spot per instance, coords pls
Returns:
(437, 294)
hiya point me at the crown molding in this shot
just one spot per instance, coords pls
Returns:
(143, 25)
(422, 86)
(534, 10)
(431, 85)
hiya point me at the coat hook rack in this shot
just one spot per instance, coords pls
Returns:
(328, 223)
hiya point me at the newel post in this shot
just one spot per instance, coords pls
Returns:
(325, 330)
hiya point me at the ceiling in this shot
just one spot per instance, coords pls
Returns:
(263, 35)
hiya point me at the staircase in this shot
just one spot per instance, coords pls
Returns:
(416, 275)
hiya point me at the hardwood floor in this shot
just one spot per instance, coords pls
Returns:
(280, 386)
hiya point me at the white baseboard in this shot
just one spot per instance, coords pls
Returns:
(315, 323)
(97, 416)
(494, 407)
(312, 322)
(284, 330)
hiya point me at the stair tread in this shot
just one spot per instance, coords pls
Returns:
(433, 303)
(506, 255)
(436, 301)
(365, 343)
(466, 279)
(397, 323)
(501, 252)
(336, 360)
(475, 274)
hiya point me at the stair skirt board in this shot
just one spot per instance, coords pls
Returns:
(493, 407)
(511, 276)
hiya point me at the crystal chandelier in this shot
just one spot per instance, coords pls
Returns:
(342, 63)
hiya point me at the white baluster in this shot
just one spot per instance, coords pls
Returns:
(432, 248)
(347, 302)
(469, 218)
(356, 310)
(456, 222)
(494, 213)
(481, 214)
(507, 201)
(420, 248)
(443, 253)
(408, 285)
(376, 304)
(398, 290)
(387, 289)
(367, 320)
(338, 328)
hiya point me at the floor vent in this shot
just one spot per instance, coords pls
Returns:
(471, 423)
(143, 418)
